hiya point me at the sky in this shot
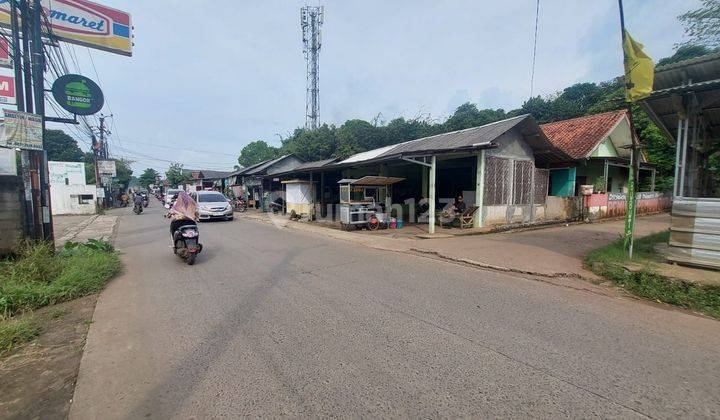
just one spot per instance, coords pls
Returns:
(208, 77)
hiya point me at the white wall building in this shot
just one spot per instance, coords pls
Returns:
(69, 194)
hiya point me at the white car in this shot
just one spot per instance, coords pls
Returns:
(212, 205)
(169, 193)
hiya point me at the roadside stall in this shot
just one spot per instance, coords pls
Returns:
(365, 202)
(299, 198)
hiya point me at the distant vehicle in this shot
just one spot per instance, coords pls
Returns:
(169, 195)
(212, 205)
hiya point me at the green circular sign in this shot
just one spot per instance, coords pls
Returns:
(78, 94)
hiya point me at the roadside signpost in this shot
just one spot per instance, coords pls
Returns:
(77, 94)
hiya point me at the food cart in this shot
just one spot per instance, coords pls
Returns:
(365, 202)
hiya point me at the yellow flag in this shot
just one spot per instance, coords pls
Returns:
(639, 70)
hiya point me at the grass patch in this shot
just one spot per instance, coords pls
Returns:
(38, 276)
(16, 331)
(608, 262)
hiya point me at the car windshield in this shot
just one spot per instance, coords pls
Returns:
(211, 198)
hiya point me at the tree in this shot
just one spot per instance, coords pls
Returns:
(61, 147)
(310, 145)
(685, 52)
(175, 175)
(149, 176)
(468, 115)
(256, 152)
(702, 25)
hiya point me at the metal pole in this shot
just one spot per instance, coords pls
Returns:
(681, 187)
(678, 147)
(431, 208)
(25, 23)
(16, 56)
(606, 172)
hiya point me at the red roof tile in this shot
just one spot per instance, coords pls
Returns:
(579, 136)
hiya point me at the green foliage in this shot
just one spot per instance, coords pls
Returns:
(599, 185)
(685, 52)
(175, 175)
(316, 144)
(256, 152)
(61, 147)
(37, 277)
(608, 262)
(468, 115)
(91, 244)
(149, 176)
(702, 25)
(16, 331)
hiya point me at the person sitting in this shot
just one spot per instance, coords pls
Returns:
(183, 212)
(460, 205)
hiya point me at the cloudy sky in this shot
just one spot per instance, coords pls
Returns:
(207, 77)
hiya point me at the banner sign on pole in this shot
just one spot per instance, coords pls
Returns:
(107, 167)
(21, 130)
(78, 94)
(100, 193)
(5, 60)
(84, 23)
(7, 90)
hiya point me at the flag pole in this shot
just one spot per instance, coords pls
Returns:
(634, 157)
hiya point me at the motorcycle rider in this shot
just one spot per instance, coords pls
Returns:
(183, 212)
(137, 202)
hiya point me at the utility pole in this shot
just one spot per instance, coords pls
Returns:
(26, 202)
(39, 90)
(630, 206)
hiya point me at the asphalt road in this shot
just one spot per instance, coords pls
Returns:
(276, 323)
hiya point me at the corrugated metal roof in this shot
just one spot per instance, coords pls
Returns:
(264, 165)
(694, 70)
(314, 164)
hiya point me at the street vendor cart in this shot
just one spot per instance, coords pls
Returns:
(365, 202)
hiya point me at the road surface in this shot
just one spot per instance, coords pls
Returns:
(274, 323)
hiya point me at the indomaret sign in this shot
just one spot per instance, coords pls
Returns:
(84, 23)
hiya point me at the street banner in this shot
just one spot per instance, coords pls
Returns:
(7, 90)
(84, 23)
(21, 130)
(8, 162)
(5, 60)
(107, 167)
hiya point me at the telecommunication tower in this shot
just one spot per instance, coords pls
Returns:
(311, 20)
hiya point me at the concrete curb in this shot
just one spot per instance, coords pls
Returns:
(74, 231)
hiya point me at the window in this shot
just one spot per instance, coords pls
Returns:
(85, 198)
(211, 198)
(541, 187)
(522, 181)
(497, 181)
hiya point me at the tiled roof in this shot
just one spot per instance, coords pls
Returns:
(578, 137)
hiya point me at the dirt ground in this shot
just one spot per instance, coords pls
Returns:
(37, 379)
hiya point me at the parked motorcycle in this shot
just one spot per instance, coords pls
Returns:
(277, 205)
(240, 205)
(186, 237)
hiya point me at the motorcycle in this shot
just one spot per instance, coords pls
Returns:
(277, 205)
(145, 201)
(240, 205)
(137, 208)
(186, 237)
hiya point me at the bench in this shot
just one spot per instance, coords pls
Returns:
(466, 219)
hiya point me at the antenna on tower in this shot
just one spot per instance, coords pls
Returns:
(311, 20)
